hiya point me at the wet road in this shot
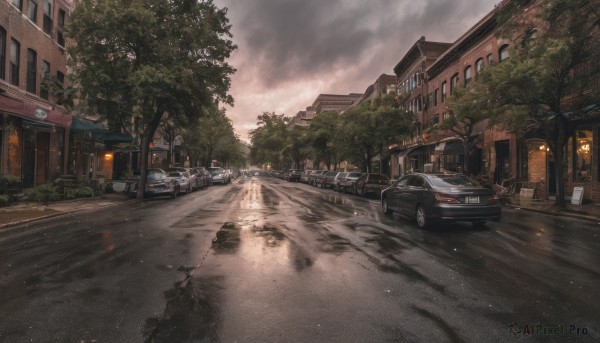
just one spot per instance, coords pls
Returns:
(268, 260)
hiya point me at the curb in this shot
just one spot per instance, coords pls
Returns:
(556, 214)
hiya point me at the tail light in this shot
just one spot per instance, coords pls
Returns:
(445, 199)
(494, 198)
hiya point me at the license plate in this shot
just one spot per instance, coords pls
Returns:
(473, 199)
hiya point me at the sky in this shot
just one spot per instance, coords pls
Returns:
(290, 51)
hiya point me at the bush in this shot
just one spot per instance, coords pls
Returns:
(6, 181)
(80, 192)
(5, 200)
(45, 193)
(108, 188)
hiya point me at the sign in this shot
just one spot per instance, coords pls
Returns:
(40, 114)
(577, 196)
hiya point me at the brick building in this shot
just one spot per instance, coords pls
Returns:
(34, 130)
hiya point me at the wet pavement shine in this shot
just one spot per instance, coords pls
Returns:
(268, 260)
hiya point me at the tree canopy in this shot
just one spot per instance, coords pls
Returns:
(141, 61)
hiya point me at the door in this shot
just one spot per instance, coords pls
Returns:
(28, 159)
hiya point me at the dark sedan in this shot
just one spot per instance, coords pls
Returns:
(370, 183)
(431, 198)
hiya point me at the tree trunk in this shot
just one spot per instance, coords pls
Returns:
(147, 135)
(560, 142)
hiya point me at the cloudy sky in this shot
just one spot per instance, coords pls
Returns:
(290, 51)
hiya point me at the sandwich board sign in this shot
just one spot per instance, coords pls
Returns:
(577, 196)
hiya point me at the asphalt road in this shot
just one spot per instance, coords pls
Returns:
(267, 260)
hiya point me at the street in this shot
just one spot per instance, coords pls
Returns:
(263, 259)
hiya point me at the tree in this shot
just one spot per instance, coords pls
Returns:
(466, 110)
(268, 139)
(323, 137)
(551, 39)
(210, 135)
(370, 127)
(296, 149)
(144, 60)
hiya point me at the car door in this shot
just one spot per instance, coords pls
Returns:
(397, 194)
(414, 193)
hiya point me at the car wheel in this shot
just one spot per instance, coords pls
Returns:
(422, 220)
(386, 207)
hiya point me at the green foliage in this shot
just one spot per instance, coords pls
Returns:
(268, 139)
(5, 200)
(150, 60)
(108, 187)
(79, 192)
(6, 181)
(367, 129)
(44, 193)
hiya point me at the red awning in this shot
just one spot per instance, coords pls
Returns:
(28, 110)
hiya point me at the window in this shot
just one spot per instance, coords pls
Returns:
(435, 97)
(503, 53)
(15, 56)
(61, 25)
(436, 119)
(583, 155)
(45, 72)
(467, 75)
(48, 16)
(61, 79)
(18, 4)
(453, 83)
(32, 11)
(490, 59)
(31, 71)
(444, 91)
(2, 53)
(478, 65)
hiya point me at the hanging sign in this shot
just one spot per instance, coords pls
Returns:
(40, 114)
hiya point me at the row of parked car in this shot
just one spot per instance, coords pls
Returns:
(176, 180)
(345, 182)
(427, 198)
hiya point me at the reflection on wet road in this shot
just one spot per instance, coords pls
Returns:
(295, 263)
(268, 260)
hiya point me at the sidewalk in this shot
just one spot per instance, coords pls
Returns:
(587, 211)
(25, 212)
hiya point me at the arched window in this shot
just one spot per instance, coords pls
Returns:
(503, 53)
(490, 59)
(478, 65)
(453, 83)
(468, 75)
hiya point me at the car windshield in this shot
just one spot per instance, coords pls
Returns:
(154, 175)
(451, 180)
(354, 175)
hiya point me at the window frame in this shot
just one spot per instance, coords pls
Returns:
(454, 83)
(503, 53)
(48, 18)
(44, 93)
(31, 84)
(15, 62)
(478, 65)
(18, 4)
(468, 74)
(2, 53)
(444, 91)
(32, 4)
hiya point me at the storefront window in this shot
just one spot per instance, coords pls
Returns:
(583, 155)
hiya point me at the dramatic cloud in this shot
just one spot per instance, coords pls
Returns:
(290, 51)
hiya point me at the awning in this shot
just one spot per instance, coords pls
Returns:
(37, 125)
(415, 150)
(450, 148)
(84, 125)
(113, 137)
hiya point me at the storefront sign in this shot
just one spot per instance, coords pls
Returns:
(40, 114)
(577, 196)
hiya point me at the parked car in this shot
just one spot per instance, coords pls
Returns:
(157, 184)
(314, 177)
(348, 181)
(219, 175)
(431, 198)
(326, 180)
(293, 175)
(370, 183)
(203, 178)
(182, 179)
(338, 179)
(305, 176)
